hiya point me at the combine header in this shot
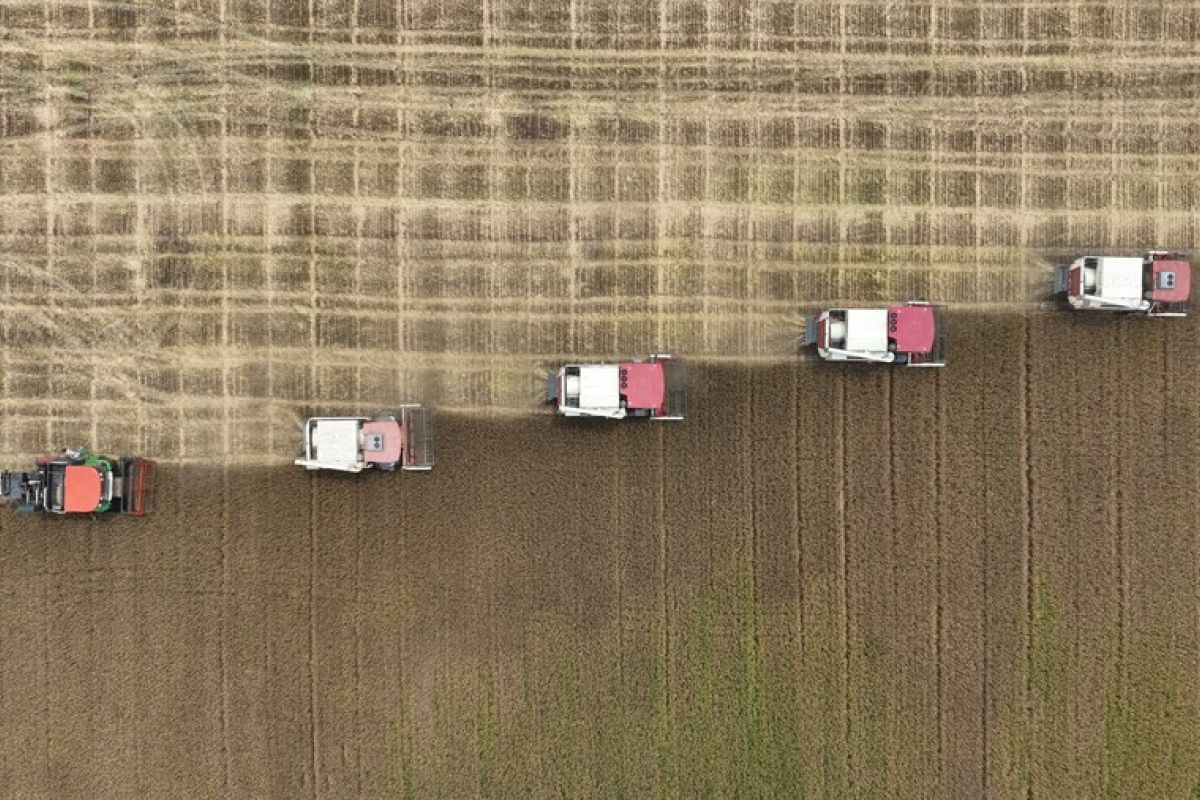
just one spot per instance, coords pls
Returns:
(352, 444)
(80, 482)
(1157, 284)
(652, 389)
(907, 335)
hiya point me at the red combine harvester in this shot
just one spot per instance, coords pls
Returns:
(652, 389)
(1157, 284)
(352, 444)
(906, 335)
(80, 482)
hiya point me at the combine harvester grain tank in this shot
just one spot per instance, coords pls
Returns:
(908, 335)
(654, 388)
(1157, 284)
(78, 482)
(386, 441)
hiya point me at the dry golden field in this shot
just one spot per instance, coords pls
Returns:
(219, 216)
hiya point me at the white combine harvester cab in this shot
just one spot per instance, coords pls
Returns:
(1157, 284)
(651, 389)
(592, 389)
(906, 335)
(352, 444)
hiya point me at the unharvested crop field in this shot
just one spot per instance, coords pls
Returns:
(834, 581)
(219, 216)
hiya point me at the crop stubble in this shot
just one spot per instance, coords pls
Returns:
(220, 216)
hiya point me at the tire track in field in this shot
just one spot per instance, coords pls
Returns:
(1005, 720)
(963, 524)
(775, 607)
(1028, 410)
(869, 579)
(913, 414)
(820, 465)
(335, 610)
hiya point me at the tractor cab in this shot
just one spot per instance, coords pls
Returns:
(905, 335)
(1157, 284)
(651, 389)
(77, 488)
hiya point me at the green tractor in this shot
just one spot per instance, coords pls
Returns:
(81, 482)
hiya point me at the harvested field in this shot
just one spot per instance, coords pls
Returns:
(218, 215)
(833, 580)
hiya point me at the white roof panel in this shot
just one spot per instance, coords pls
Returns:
(866, 329)
(1120, 277)
(336, 441)
(599, 386)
